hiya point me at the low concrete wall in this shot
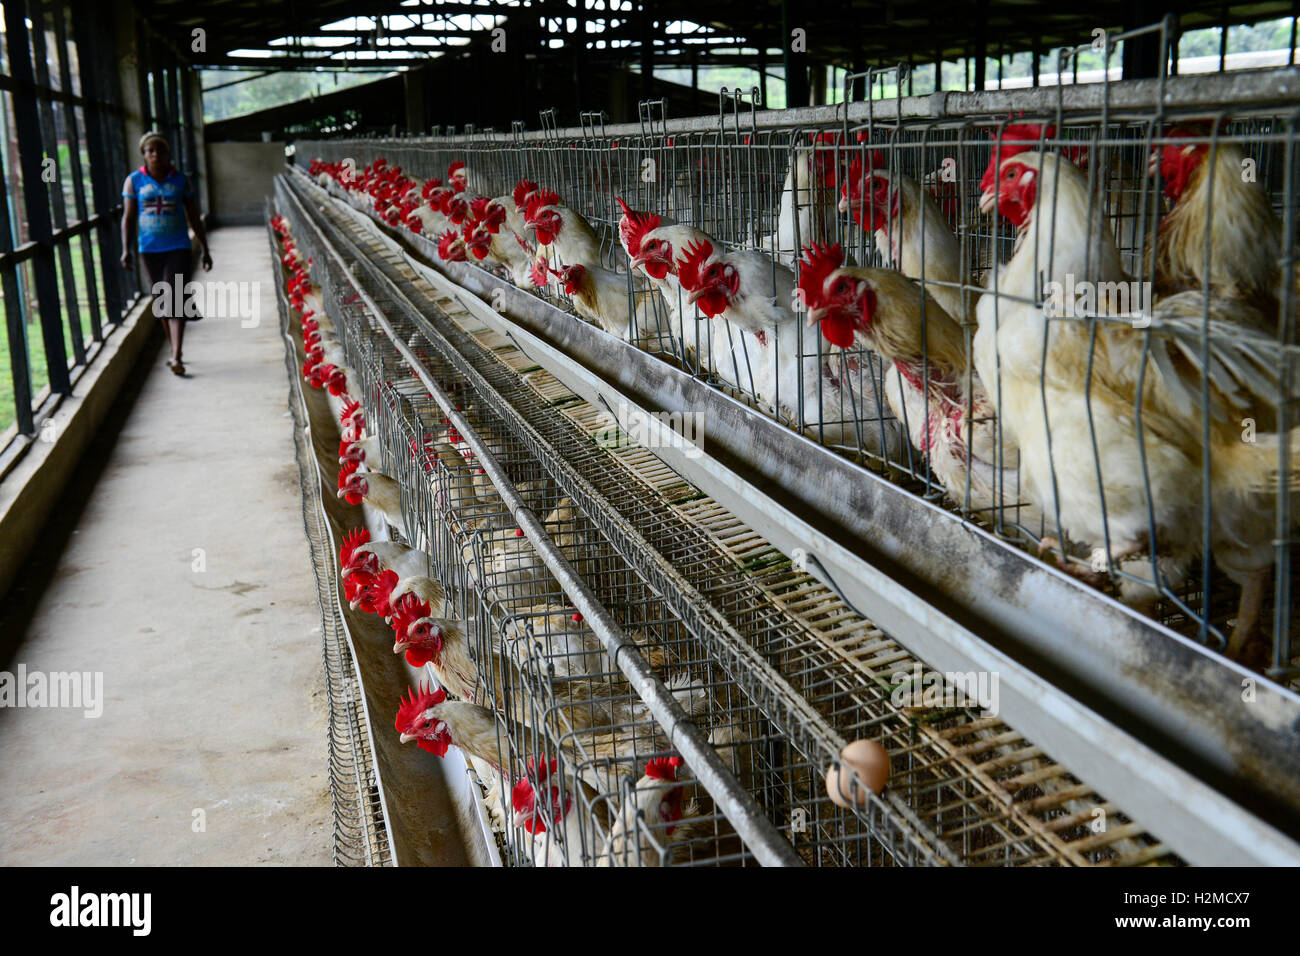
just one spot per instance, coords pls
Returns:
(35, 485)
(240, 178)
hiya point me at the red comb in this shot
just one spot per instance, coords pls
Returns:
(414, 706)
(1004, 150)
(523, 796)
(385, 584)
(818, 262)
(1031, 132)
(447, 248)
(346, 471)
(1195, 128)
(454, 167)
(857, 174)
(523, 189)
(538, 273)
(478, 207)
(634, 225)
(408, 609)
(663, 768)
(354, 540)
(541, 199)
(695, 255)
(351, 408)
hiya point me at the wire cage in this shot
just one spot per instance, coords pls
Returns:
(567, 710)
(1109, 382)
(768, 665)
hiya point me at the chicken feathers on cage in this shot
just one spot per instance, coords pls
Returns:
(760, 344)
(909, 230)
(1220, 220)
(560, 830)
(568, 234)
(656, 822)
(652, 247)
(651, 814)
(605, 297)
(806, 209)
(543, 642)
(376, 489)
(929, 382)
(496, 238)
(1082, 387)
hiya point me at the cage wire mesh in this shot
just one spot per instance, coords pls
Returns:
(1156, 279)
(965, 787)
(360, 831)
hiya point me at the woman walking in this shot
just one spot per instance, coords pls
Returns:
(161, 201)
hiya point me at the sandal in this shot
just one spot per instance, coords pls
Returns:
(177, 366)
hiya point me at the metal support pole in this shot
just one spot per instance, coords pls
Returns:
(796, 63)
(36, 196)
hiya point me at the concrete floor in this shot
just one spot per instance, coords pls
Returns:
(213, 688)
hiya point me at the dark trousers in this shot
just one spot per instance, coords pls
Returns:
(174, 268)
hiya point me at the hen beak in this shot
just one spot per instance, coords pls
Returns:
(690, 298)
(341, 492)
(346, 571)
(844, 204)
(987, 201)
(400, 646)
(407, 738)
(354, 604)
(520, 818)
(1153, 163)
(815, 315)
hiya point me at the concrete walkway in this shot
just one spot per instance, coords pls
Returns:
(186, 582)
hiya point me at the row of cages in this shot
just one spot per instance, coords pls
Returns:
(1082, 269)
(574, 744)
(578, 771)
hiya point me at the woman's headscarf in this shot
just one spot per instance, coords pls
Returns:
(151, 136)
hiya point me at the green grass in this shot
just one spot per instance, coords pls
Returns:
(40, 377)
(6, 384)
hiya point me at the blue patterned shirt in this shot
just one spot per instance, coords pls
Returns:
(161, 209)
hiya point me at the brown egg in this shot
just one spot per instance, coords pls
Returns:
(870, 761)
